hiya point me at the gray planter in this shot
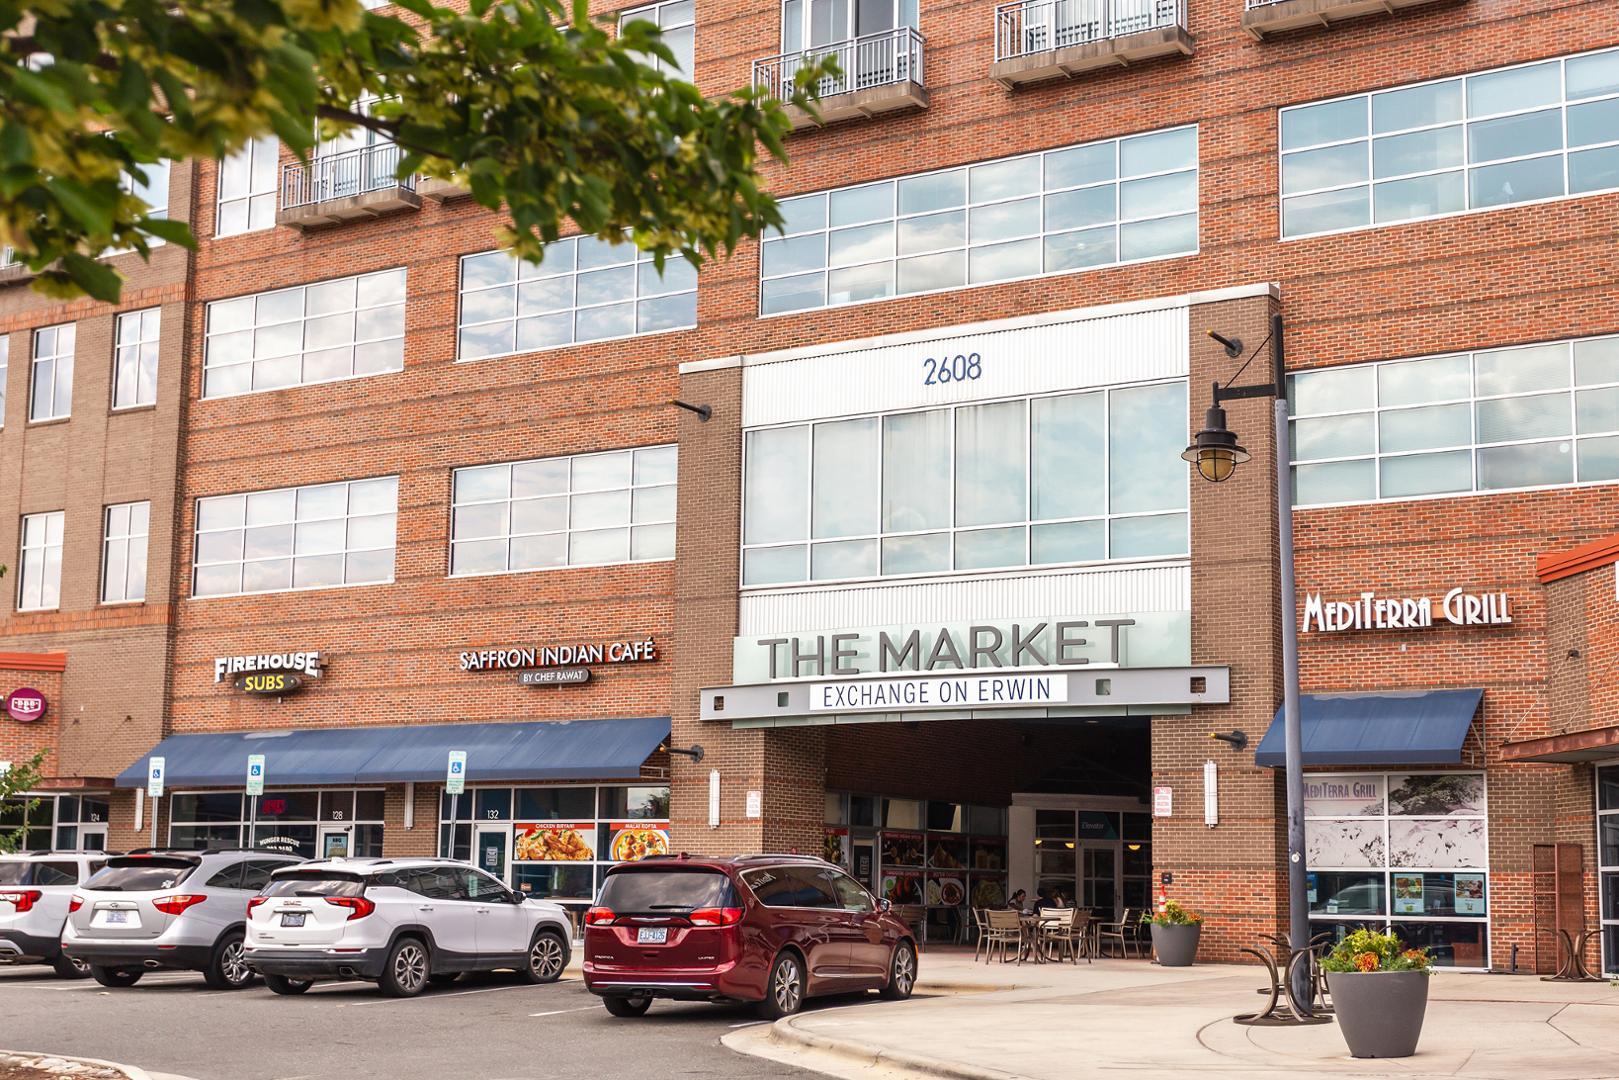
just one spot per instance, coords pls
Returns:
(1176, 946)
(1379, 1012)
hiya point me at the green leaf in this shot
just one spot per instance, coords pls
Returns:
(175, 232)
(91, 209)
(97, 279)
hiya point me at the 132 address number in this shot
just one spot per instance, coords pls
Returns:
(949, 369)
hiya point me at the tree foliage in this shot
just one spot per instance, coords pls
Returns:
(535, 108)
(22, 776)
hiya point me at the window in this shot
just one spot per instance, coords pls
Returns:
(1068, 478)
(220, 819)
(1533, 416)
(1607, 822)
(678, 20)
(41, 584)
(313, 537)
(337, 329)
(247, 188)
(1099, 204)
(51, 397)
(135, 360)
(5, 370)
(1406, 853)
(228, 877)
(1513, 135)
(153, 190)
(123, 553)
(791, 887)
(589, 510)
(814, 24)
(585, 290)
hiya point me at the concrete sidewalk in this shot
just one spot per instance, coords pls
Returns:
(1055, 1022)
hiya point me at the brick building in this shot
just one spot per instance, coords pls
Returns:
(936, 595)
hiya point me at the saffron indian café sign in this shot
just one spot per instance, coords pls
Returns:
(1368, 611)
(558, 665)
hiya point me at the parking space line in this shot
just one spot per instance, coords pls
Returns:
(559, 1012)
(440, 997)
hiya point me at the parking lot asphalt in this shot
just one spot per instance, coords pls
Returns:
(478, 1028)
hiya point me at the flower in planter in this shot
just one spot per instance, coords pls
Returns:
(1176, 915)
(1369, 951)
(1366, 961)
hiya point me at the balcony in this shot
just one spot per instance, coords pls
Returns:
(1271, 16)
(1047, 39)
(335, 188)
(878, 73)
(12, 269)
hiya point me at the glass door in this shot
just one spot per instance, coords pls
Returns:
(1099, 878)
(1607, 797)
(335, 842)
(491, 845)
(92, 838)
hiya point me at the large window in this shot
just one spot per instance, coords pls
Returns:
(40, 583)
(337, 329)
(1068, 478)
(63, 822)
(1100, 204)
(314, 824)
(51, 396)
(1513, 135)
(247, 188)
(567, 511)
(1607, 777)
(678, 20)
(5, 371)
(585, 290)
(1407, 852)
(134, 376)
(296, 538)
(123, 553)
(1533, 416)
(153, 189)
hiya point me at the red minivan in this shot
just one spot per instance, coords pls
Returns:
(770, 929)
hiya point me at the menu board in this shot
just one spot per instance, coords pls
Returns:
(903, 849)
(555, 841)
(947, 852)
(1469, 894)
(946, 890)
(835, 847)
(1408, 894)
(634, 840)
(988, 854)
(902, 888)
(988, 891)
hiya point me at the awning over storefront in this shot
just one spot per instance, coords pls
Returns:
(539, 750)
(1598, 744)
(1400, 727)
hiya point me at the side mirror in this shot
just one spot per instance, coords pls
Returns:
(885, 905)
(518, 898)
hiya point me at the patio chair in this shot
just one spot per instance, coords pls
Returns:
(1002, 928)
(980, 930)
(1064, 931)
(1120, 931)
(1138, 931)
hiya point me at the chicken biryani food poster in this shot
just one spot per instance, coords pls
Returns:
(576, 841)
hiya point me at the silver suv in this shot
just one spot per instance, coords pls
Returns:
(400, 922)
(35, 889)
(182, 910)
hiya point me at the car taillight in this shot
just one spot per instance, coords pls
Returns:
(359, 907)
(599, 916)
(74, 903)
(716, 916)
(177, 904)
(255, 901)
(23, 901)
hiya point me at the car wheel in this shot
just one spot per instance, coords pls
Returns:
(108, 976)
(901, 972)
(69, 968)
(784, 990)
(628, 1006)
(228, 969)
(547, 956)
(406, 971)
(280, 984)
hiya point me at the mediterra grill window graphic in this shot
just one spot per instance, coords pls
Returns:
(1099, 204)
(337, 329)
(1527, 417)
(1522, 134)
(1065, 478)
(313, 537)
(587, 510)
(584, 290)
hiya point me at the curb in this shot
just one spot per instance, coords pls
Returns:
(131, 1071)
(864, 1053)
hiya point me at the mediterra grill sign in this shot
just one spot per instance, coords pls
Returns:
(1372, 612)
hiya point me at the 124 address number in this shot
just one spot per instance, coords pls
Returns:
(949, 369)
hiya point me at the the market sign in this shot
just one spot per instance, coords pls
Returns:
(303, 664)
(1369, 611)
(25, 704)
(1132, 639)
(558, 665)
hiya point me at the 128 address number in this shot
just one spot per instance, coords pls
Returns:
(949, 369)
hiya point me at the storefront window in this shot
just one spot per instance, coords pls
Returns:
(1407, 851)
(54, 821)
(1607, 782)
(313, 824)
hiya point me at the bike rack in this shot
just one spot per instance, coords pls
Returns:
(1296, 1014)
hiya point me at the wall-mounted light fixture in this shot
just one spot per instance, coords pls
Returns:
(1238, 738)
(703, 412)
(695, 753)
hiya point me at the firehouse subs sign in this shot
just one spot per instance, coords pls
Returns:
(558, 665)
(269, 673)
(1369, 611)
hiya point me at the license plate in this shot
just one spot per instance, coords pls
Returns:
(652, 935)
(293, 918)
(115, 918)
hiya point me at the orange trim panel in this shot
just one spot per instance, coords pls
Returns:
(33, 661)
(1556, 565)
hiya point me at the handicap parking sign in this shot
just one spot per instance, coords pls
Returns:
(455, 778)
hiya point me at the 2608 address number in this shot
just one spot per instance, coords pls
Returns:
(949, 369)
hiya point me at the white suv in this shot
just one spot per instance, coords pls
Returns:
(35, 890)
(400, 922)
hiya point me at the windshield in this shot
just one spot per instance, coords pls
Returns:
(142, 876)
(15, 873)
(666, 890)
(314, 885)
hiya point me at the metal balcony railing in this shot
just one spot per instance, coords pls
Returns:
(881, 59)
(1024, 27)
(339, 176)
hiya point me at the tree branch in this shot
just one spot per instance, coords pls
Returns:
(376, 124)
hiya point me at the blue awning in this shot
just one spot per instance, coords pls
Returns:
(531, 750)
(1396, 727)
